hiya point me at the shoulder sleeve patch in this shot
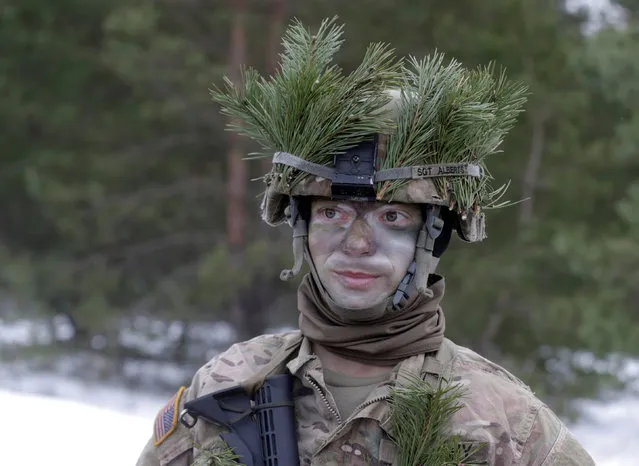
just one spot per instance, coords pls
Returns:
(167, 419)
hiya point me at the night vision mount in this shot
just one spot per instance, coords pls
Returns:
(354, 176)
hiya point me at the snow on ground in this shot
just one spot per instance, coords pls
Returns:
(610, 431)
(40, 430)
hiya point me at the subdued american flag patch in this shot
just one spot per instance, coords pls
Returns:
(167, 419)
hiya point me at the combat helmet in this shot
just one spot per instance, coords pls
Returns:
(413, 131)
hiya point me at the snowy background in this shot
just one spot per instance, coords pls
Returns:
(55, 419)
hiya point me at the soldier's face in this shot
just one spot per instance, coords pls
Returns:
(362, 250)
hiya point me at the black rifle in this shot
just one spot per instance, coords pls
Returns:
(262, 429)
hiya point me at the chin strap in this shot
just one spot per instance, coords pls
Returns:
(425, 262)
(404, 289)
(300, 238)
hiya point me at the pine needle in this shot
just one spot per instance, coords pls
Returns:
(420, 422)
(216, 457)
(309, 107)
(449, 114)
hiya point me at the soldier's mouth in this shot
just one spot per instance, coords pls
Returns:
(355, 280)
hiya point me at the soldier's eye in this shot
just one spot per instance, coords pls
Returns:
(332, 214)
(395, 218)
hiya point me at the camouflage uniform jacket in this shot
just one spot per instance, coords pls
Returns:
(499, 411)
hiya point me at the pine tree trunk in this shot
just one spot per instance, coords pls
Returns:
(243, 317)
(275, 29)
(276, 26)
(237, 173)
(533, 167)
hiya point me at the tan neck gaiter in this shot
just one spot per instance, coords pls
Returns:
(385, 340)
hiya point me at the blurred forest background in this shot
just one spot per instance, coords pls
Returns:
(129, 227)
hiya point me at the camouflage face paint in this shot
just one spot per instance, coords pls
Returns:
(361, 250)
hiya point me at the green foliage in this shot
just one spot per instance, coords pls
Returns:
(217, 457)
(449, 114)
(420, 423)
(309, 108)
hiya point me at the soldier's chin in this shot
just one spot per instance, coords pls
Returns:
(353, 300)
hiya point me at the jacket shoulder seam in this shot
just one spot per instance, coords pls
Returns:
(560, 434)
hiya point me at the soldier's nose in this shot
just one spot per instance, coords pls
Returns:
(359, 239)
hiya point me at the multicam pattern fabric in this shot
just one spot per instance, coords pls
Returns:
(499, 411)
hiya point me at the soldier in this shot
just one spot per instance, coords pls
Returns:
(373, 183)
